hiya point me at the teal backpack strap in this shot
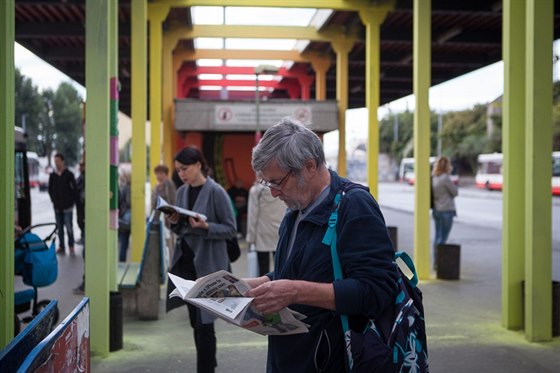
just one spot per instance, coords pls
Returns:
(329, 239)
(410, 264)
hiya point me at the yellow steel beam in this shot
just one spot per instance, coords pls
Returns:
(320, 65)
(513, 140)
(262, 32)
(240, 54)
(139, 76)
(354, 5)
(538, 145)
(342, 47)
(156, 15)
(421, 76)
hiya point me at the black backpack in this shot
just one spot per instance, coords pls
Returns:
(396, 341)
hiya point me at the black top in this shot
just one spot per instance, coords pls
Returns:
(62, 189)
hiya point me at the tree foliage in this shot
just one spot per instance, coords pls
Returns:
(53, 119)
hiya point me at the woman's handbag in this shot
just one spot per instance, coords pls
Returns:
(233, 250)
(252, 262)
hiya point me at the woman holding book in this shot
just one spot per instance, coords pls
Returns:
(201, 244)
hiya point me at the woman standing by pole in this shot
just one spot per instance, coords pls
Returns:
(201, 244)
(444, 193)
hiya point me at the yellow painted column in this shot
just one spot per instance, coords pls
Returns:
(7, 149)
(156, 15)
(372, 19)
(97, 188)
(538, 199)
(422, 76)
(342, 47)
(168, 104)
(320, 66)
(513, 144)
(139, 50)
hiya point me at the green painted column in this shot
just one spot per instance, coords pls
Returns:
(513, 144)
(139, 60)
(114, 141)
(7, 92)
(98, 187)
(422, 77)
(372, 19)
(538, 145)
(342, 47)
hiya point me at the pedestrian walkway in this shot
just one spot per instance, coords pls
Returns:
(463, 319)
(463, 322)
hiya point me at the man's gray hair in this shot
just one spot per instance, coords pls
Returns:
(290, 144)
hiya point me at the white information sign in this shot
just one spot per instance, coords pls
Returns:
(245, 115)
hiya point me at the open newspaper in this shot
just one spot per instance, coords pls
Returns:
(166, 208)
(221, 294)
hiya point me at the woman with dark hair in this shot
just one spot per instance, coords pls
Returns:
(201, 244)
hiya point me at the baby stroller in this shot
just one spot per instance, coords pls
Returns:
(36, 262)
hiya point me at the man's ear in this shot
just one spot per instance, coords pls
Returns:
(310, 165)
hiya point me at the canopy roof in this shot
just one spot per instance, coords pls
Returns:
(466, 35)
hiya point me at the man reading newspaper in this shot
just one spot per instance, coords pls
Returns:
(290, 161)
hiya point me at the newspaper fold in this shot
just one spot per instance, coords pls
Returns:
(221, 294)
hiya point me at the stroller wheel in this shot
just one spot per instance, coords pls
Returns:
(41, 306)
(17, 325)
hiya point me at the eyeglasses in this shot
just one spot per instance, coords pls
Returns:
(273, 185)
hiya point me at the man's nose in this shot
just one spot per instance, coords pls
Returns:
(275, 192)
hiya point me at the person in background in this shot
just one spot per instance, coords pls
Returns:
(165, 187)
(239, 196)
(80, 215)
(63, 193)
(81, 202)
(166, 190)
(290, 161)
(263, 220)
(124, 214)
(202, 243)
(444, 193)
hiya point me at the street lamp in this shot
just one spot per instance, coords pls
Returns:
(261, 69)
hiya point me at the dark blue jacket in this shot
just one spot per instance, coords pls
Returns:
(369, 285)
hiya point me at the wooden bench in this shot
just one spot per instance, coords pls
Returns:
(19, 348)
(139, 283)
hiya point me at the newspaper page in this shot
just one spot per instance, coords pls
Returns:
(166, 208)
(221, 294)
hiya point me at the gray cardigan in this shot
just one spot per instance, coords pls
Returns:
(444, 192)
(208, 246)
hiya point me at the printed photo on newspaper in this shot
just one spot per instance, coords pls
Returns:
(221, 294)
(166, 208)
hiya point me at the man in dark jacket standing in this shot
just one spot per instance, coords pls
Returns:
(291, 162)
(63, 193)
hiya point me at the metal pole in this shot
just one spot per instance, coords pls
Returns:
(258, 113)
(439, 135)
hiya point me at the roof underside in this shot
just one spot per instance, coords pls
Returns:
(466, 35)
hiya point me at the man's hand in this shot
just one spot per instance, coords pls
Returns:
(272, 296)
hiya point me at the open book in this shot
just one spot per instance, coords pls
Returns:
(221, 294)
(166, 208)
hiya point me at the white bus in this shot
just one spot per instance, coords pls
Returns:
(406, 171)
(490, 176)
